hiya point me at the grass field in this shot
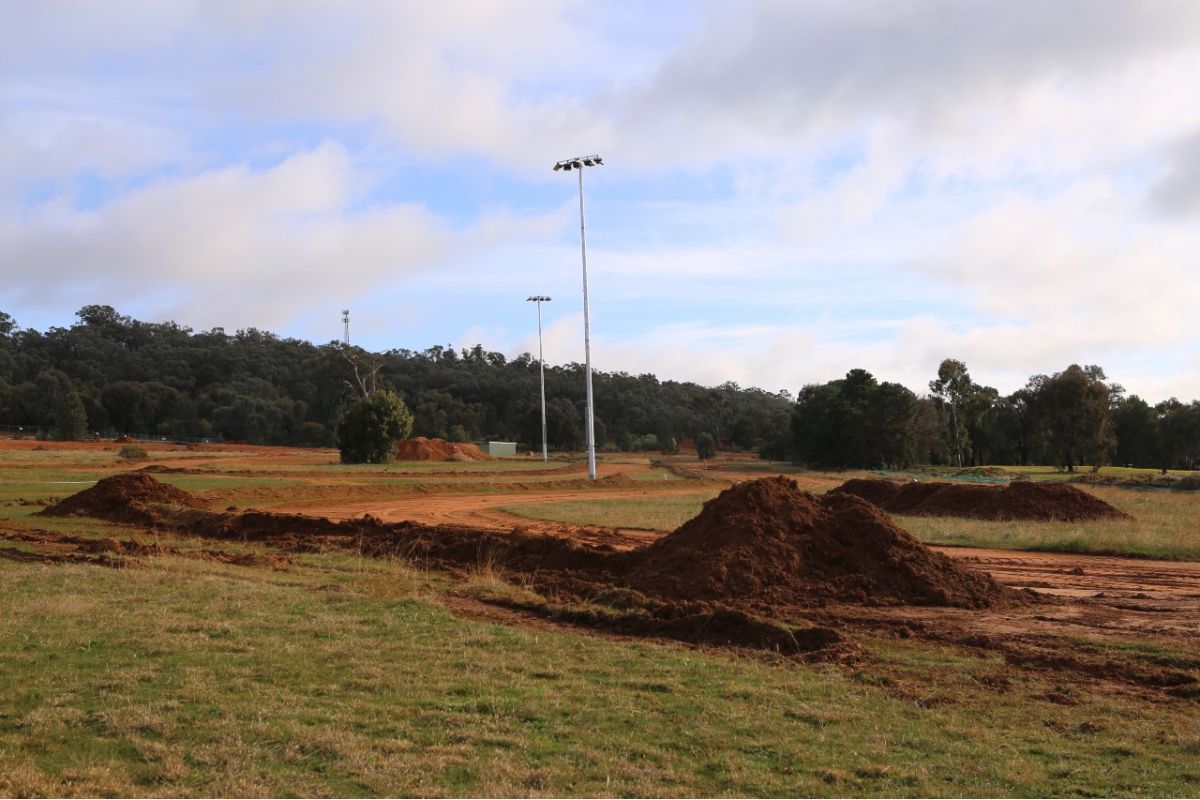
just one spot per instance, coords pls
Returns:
(1164, 525)
(348, 678)
(652, 514)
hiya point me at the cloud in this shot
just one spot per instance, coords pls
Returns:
(235, 244)
(793, 189)
(1176, 194)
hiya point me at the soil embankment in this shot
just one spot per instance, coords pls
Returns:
(129, 497)
(419, 448)
(1020, 500)
(770, 542)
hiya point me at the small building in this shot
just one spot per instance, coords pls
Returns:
(498, 448)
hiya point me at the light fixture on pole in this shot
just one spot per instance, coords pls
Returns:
(569, 164)
(539, 299)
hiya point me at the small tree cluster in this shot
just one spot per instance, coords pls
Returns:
(369, 430)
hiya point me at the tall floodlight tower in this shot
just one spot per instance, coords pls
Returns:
(539, 299)
(578, 164)
(346, 327)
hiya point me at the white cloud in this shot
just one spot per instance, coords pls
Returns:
(234, 245)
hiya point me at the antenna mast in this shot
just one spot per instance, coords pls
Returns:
(346, 327)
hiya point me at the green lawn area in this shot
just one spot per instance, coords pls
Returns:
(344, 677)
(663, 513)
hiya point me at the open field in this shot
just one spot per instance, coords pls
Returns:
(175, 661)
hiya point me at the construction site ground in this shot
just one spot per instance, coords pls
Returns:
(1108, 638)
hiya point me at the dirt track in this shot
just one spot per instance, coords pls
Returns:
(1135, 595)
(485, 511)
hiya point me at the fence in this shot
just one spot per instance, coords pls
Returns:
(31, 432)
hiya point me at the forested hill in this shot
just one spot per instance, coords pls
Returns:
(111, 374)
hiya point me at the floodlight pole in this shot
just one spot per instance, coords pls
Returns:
(587, 341)
(539, 299)
(590, 424)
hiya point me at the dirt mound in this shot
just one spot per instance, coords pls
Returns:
(419, 448)
(768, 542)
(162, 469)
(1019, 500)
(128, 497)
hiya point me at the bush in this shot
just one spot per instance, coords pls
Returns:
(706, 446)
(131, 452)
(369, 430)
(645, 443)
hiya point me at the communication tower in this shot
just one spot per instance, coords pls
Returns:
(346, 327)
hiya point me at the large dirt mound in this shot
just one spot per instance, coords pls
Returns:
(128, 497)
(1017, 500)
(419, 448)
(768, 542)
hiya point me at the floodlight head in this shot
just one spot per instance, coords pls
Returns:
(579, 162)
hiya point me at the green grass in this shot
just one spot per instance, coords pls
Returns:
(345, 677)
(1164, 525)
(662, 513)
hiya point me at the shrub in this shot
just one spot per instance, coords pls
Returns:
(132, 452)
(369, 430)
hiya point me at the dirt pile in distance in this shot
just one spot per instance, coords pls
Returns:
(1018, 500)
(767, 542)
(418, 448)
(128, 497)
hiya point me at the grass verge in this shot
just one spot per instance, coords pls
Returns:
(346, 677)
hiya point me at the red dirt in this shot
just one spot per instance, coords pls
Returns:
(419, 448)
(1018, 500)
(767, 541)
(128, 497)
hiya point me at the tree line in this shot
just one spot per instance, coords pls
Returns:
(110, 374)
(1068, 419)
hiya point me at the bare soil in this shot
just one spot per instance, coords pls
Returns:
(1018, 500)
(1121, 624)
(420, 448)
(128, 497)
(768, 541)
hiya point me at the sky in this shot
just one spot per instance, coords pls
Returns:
(790, 189)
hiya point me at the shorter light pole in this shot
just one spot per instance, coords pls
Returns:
(539, 299)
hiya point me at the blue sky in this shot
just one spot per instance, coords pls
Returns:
(790, 190)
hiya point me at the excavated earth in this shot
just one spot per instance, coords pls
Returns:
(767, 541)
(419, 448)
(764, 565)
(129, 497)
(1019, 500)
